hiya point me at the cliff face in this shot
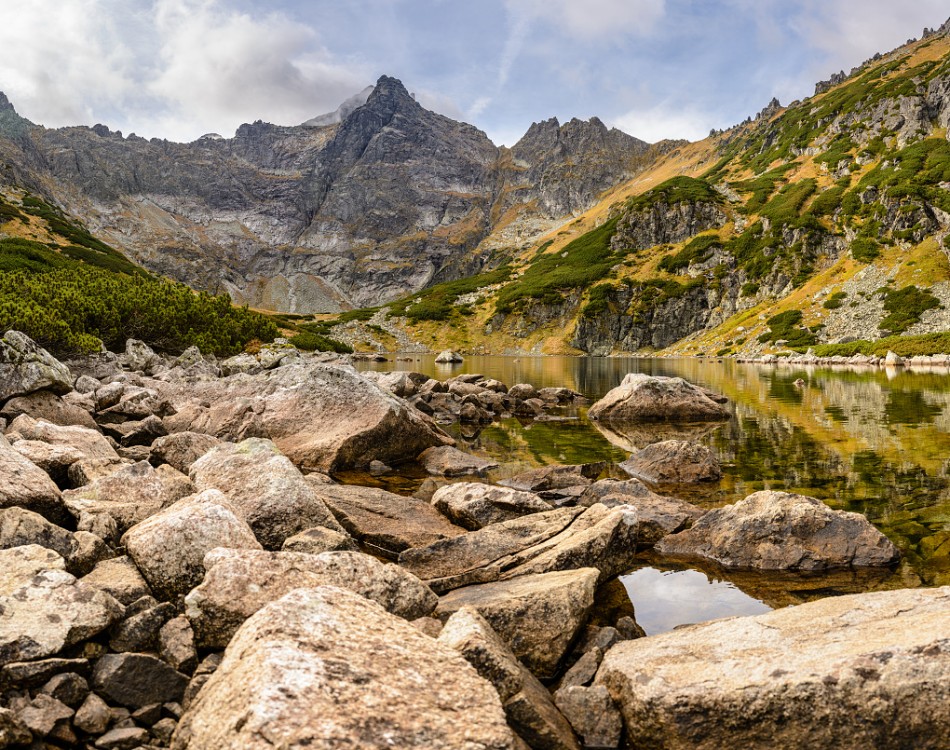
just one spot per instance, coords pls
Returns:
(322, 216)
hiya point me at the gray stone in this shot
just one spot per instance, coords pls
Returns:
(13, 732)
(859, 671)
(93, 716)
(26, 367)
(91, 443)
(140, 357)
(176, 645)
(780, 531)
(536, 615)
(448, 357)
(473, 505)
(326, 668)
(446, 461)
(674, 462)
(55, 460)
(48, 407)
(43, 713)
(120, 578)
(67, 687)
(240, 582)
(271, 493)
(25, 485)
(137, 680)
(649, 398)
(139, 631)
(592, 714)
(31, 674)
(319, 539)
(126, 738)
(181, 449)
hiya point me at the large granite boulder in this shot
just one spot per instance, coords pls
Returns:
(325, 668)
(112, 504)
(19, 527)
(26, 367)
(473, 505)
(358, 421)
(48, 407)
(538, 616)
(561, 539)
(91, 443)
(649, 398)
(44, 609)
(527, 703)
(780, 531)
(169, 547)
(674, 462)
(240, 582)
(383, 521)
(181, 449)
(270, 491)
(849, 672)
(25, 485)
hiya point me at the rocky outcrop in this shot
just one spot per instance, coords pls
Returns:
(326, 668)
(239, 582)
(648, 398)
(673, 462)
(868, 670)
(780, 531)
(359, 421)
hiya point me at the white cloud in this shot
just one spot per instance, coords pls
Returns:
(662, 121)
(175, 69)
(593, 19)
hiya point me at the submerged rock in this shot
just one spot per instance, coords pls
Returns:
(781, 531)
(649, 398)
(850, 672)
(325, 668)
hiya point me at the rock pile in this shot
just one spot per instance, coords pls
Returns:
(172, 576)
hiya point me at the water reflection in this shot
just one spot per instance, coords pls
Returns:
(863, 440)
(665, 599)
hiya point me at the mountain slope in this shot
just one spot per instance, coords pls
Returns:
(821, 222)
(309, 219)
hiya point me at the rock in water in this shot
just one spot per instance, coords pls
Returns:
(474, 505)
(447, 461)
(324, 668)
(849, 672)
(648, 398)
(781, 531)
(359, 421)
(674, 462)
(448, 357)
(26, 367)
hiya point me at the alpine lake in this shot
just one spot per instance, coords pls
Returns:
(869, 440)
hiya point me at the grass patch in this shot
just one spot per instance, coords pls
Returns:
(697, 250)
(785, 327)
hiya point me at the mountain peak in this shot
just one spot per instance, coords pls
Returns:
(391, 92)
(5, 104)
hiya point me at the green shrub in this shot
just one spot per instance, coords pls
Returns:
(676, 190)
(597, 301)
(697, 250)
(864, 249)
(835, 301)
(904, 308)
(313, 342)
(785, 327)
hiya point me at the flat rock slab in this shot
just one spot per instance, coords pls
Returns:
(44, 609)
(649, 398)
(850, 672)
(474, 505)
(240, 582)
(674, 462)
(780, 531)
(324, 669)
(538, 616)
(446, 461)
(383, 521)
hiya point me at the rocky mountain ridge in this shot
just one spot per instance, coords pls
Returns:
(326, 215)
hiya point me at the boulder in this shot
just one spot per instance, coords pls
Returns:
(527, 703)
(473, 505)
(269, 490)
(119, 578)
(91, 443)
(325, 668)
(448, 357)
(850, 672)
(239, 582)
(181, 449)
(385, 522)
(26, 367)
(659, 515)
(446, 461)
(55, 460)
(649, 398)
(318, 539)
(780, 531)
(139, 630)
(550, 479)
(33, 674)
(523, 391)
(592, 714)
(538, 616)
(47, 406)
(44, 714)
(136, 433)
(169, 547)
(596, 537)
(93, 716)
(176, 644)
(140, 357)
(112, 504)
(25, 485)
(137, 680)
(13, 732)
(674, 462)
(19, 527)
(359, 421)
(44, 609)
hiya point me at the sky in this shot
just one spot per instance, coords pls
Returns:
(178, 69)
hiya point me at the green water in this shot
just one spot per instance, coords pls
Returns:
(869, 441)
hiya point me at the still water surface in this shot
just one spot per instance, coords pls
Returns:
(876, 442)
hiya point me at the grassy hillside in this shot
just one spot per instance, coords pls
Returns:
(73, 293)
(822, 222)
